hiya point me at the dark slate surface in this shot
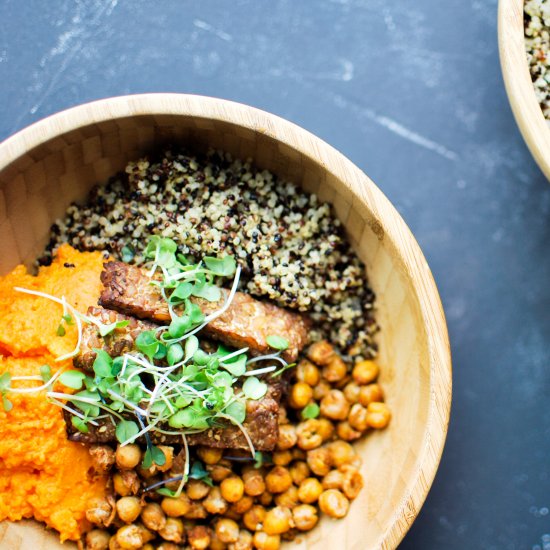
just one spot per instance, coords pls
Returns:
(411, 91)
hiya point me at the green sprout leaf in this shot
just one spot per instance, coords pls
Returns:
(118, 363)
(147, 343)
(277, 342)
(191, 347)
(253, 388)
(60, 330)
(164, 491)
(89, 409)
(236, 365)
(5, 379)
(103, 363)
(68, 319)
(179, 326)
(237, 411)
(223, 267)
(174, 354)
(7, 404)
(104, 330)
(261, 458)
(208, 292)
(153, 454)
(310, 411)
(72, 379)
(125, 430)
(198, 471)
(162, 250)
(127, 253)
(181, 293)
(46, 372)
(79, 424)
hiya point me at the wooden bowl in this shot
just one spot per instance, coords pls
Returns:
(519, 86)
(58, 160)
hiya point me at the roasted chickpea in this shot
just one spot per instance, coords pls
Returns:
(335, 405)
(263, 541)
(210, 455)
(128, 509)
(232, 488)
(281, 458)
(333, 480)
(300, 395)
(173, 531)
(357, 418)
(175, 507)
(346, 432)
(103, 457)
(215, 542)
(278, 480)
(305, 517)
(266, 498)
(227, 530)
(277, 520)
(352, 482)
(218, 472)
(298, 454)
(352, 391)
(319, 461)
(244, 542)
(254, 484)
(126, 483)
(333, 503)
(97, 539)
(340, 453)
(307, 372)
(100, 512)
(325, 428)
(321, 389)
(254, 518)
(289, 498)
(335, 370)
(299, 471)
(242, 505)
(113, 544)
(197, 489)
(321, 352)
(196, 510)
(287, 437)
(378, 415)
(199, 537)
(370, 394)
(365, 372)
(129, 536)
(309, 436)
(214, 503)
(127, 457)
(310, 490)
(168, 546)
(153, 517)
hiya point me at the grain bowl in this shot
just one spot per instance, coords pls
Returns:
(57, 161)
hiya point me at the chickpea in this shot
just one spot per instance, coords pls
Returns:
(325, 428)
(196, 489)
(153, 517)
(216, 543)
(173, 531)
(103, 457)
(128, 509)
(352, 391)
(244, 542)
(289, 498)
(300, 395)
(100, 512)
(336, 370)
(310, 490)
(299, 471)
(321, 352)
(266, 498)
(129, 536)
(333, 503)
(263, 541)
(277, 520)
(227, 530)
(308, 434)
(365, 372)
(287, 437)
(378, 415)
(126, 483)
(278, 480)
(218, 472)
(370, 393)
(168, 546)
(321, 389)
(352, 483)
(113, 544)
(242, 505)
(298, 454)
(254, 518)
(307, 372)
(358, 418)
(199, 537)
(97, 539)
(232, 488)
(333, 480)
(175, 507)
(335, 405)
(281, 458)
(319, 461)
(283, 417)
(340, 453)
(346, 432)
(146, 534)
(210, 455)
(128, 457)
(196, 511)
(254, 484)
(305, 517)
(214, 503)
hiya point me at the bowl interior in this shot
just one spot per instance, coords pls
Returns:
(399, 463)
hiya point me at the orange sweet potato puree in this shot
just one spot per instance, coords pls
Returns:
(42, 474)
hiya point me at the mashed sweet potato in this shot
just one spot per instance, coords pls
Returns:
(42, 474)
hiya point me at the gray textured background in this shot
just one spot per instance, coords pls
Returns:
(411, 91)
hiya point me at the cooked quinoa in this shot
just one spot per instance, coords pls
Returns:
(292, 249)
(537, 45)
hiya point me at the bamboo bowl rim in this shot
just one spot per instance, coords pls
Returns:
(396, 235)
(519, 86)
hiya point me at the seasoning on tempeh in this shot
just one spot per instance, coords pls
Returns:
(247, 322)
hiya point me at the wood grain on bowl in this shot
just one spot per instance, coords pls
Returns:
(58, 160)
(519, 86)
